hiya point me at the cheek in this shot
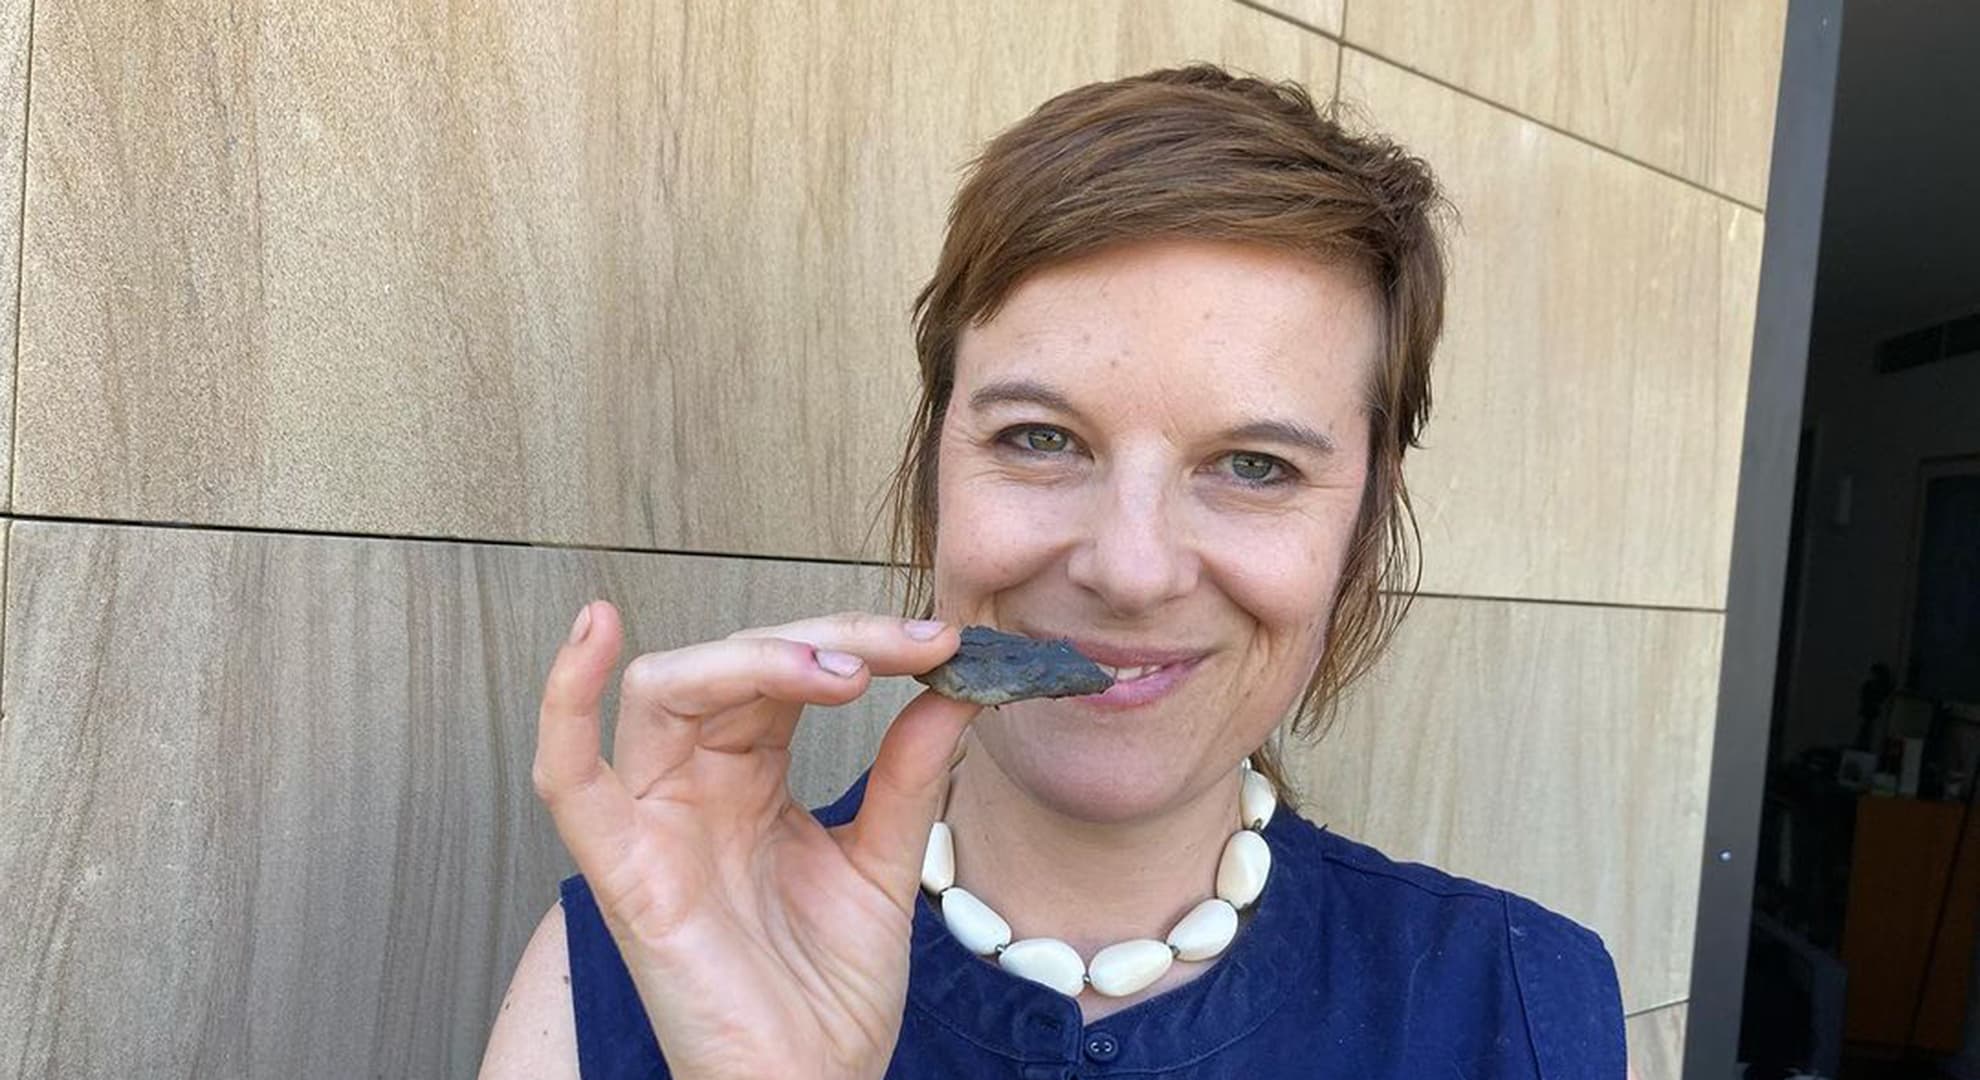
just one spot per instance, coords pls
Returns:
(1285, 577)
(991, 533)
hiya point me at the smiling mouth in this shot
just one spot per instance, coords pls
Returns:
(1140, 685)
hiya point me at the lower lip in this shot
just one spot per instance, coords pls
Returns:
(1148, 688)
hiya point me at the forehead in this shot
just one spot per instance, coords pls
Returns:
(1218, 322)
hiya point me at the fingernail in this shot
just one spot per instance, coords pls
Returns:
(845, 665)
(924, 629)
(582, 626)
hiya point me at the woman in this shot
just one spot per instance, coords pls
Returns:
(1175, 349)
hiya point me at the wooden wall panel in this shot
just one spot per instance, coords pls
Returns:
(1556, 750)
(1656, 1042)
(268, 803)
(1591, 389)
(13, 117)
(1685, 85)
(626, 275)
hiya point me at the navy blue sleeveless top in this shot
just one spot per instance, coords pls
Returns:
(1351, 966)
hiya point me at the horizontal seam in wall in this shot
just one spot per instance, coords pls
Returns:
(417, 538)
(1614, 605)
(1657, 1008)
(1259, 6)
(1480, 98)
(1556, 129)
(816, 560)
(1345, 44)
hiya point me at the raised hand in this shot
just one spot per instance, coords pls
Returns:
(762, 944)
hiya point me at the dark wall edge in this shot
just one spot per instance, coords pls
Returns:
(1762, 519)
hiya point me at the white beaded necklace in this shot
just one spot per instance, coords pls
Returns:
(1129, 966)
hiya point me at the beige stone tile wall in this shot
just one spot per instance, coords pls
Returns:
(1321, 15)
(1592, 386)
(268, 797)
(628, 275)
(1656, 1042)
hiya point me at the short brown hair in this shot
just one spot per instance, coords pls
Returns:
(1200, 153)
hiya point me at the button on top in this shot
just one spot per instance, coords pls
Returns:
(1101, 1046)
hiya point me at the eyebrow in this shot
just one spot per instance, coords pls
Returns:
(1029, 392)
(1285, 433)
(1021, 392)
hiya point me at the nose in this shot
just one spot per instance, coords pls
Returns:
(1135, 554)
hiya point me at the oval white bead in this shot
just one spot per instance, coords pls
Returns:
(1241, 872)
(1119, 970)
(1256, 801)
(938, 863)
(1205, 931)
(973, 923)
(1048, 961)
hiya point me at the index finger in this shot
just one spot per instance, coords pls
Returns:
(889, 645)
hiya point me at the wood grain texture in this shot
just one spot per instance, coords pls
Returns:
(1656, 1042)
(1686, 85)
(1322, 15)
(14, 29)
(1556, 750)
(268, 799)
(628, 275)
(1591, 388)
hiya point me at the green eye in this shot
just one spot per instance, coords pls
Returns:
(1044, 440)
(1252, 468)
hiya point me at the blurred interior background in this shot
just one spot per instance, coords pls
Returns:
(1862, 956)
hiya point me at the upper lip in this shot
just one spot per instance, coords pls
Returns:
(1121, 656)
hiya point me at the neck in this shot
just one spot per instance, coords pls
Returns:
(1088, 884)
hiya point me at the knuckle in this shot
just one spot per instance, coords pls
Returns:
(783, 652)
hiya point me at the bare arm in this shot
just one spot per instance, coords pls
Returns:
(535, 1032)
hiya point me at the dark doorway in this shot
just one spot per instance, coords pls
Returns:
(1861, 934)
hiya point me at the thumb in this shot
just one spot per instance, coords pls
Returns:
(593, 812)
(904, 793)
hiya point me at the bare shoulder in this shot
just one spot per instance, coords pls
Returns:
(535, 1033)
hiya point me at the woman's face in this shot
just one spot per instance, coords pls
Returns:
(1157, 451)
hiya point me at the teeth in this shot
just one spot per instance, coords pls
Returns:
(1128, 674)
